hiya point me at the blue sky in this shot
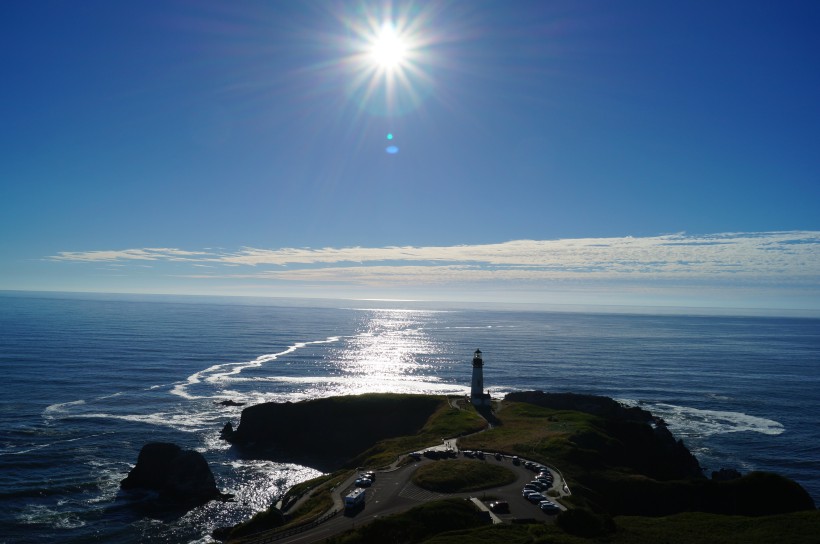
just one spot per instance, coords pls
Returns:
(636, 152)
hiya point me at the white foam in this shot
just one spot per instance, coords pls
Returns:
(49, 444)
(221, 372)
(109, 476)
(186, 422)
(42, 514)
(55, 410)
(685, 421)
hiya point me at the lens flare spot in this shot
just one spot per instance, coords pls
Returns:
(392, 149)
(389, 135)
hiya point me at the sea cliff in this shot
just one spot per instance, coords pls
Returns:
(330, 433)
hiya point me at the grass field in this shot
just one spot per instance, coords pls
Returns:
(458, 476)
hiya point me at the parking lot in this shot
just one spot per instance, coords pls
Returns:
(395, 489)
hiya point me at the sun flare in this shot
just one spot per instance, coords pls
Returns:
(389, 58)
(388, 50)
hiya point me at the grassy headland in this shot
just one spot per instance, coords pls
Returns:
(350, 431)
(620, 461)
(623, 466)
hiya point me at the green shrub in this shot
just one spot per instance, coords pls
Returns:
(582, 522)
(417, 524)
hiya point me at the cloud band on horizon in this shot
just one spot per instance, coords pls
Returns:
(792, 256)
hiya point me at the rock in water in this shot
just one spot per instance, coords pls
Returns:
(179, 476)
(227, 431)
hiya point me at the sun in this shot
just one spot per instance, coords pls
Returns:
(388, 56)
(388, 50)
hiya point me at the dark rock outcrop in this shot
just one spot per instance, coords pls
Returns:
(328, 433)
(182, 478)
(726, 475)
(230, 402)
(227, 431)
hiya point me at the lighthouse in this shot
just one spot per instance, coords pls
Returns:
(477, 394)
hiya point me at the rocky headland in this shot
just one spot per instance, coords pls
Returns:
(330, 433)
(618, 460)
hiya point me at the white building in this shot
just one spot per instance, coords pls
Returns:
(477, 394)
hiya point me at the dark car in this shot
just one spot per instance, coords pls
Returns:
(499, 507)
(549, 507)
(536, 498)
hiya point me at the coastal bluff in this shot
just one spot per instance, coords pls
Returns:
(624, 467)
(328, 433)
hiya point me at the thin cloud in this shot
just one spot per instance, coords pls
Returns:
(146, 254)
(773, 256)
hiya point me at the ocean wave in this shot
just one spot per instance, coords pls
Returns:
(40, 514)
(19, 450)
(55, 410)
(222, 372)
(685, 421)
(180, 421)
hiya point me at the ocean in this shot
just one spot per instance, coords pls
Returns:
(89, 379)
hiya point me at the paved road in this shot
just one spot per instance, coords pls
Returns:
(393, 492)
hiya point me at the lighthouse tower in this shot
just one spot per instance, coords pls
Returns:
(477, 394)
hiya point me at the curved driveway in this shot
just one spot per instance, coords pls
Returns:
(393, 492)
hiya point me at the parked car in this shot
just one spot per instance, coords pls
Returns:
(370, 475)
(536, 498)
(416, 455)
(516, 460)
(499, 507)
(549, 507)
(364, 482)
(540, 486)
(498, 457)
